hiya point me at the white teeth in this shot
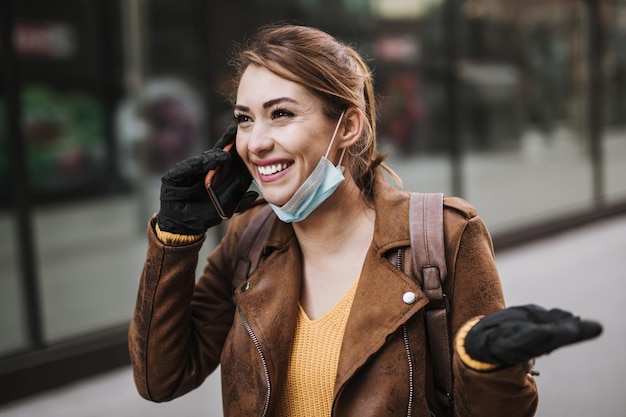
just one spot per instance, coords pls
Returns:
(271, 169)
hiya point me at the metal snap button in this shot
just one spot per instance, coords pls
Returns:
(409, 297)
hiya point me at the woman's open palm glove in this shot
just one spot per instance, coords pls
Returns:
(186, 207)
(517, 334)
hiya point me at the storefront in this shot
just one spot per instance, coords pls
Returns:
(517, 106)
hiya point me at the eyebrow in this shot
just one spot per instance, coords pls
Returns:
(267, 104)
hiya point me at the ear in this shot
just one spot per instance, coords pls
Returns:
(351, 127)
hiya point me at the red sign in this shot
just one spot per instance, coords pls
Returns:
(44, 40)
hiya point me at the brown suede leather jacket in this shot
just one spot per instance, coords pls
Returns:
(183, 329)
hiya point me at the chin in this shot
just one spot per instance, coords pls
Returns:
(274, 199)
(276, 195)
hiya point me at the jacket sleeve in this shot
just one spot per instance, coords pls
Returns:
(477, 291)
(179, 327)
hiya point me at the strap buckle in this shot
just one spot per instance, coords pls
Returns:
(433, 288)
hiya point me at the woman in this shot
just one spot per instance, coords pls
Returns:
(316, 330)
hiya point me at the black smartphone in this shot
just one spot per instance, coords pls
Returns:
(231, 179)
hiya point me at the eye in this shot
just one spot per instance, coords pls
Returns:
(240, 118)
(280, 113)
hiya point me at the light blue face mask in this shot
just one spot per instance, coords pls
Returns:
(322, 182)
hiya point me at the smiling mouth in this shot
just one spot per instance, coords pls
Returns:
(272, 169)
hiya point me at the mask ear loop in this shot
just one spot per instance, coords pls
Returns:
(333, 139)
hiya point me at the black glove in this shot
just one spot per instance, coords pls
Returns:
(186, 207)
(517, 334)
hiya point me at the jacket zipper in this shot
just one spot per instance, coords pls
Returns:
(266, 371)
(407, 346)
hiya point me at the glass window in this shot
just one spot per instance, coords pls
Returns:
(409, 67)
(12, 310)
(90, 253)
(88, 244)
(614, 140)
(524, 110)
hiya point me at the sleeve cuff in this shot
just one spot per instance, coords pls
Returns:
(174, 239)
(459, 343)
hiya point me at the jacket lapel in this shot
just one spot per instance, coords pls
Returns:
(270, 302)
(379, 307)
(378, 310)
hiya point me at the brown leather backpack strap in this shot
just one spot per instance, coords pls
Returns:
(250, 246)
(429, 265)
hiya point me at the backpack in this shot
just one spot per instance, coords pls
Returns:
(429, 267)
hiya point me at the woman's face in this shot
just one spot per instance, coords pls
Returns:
(282, 132)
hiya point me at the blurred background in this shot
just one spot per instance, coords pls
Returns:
(517, 106)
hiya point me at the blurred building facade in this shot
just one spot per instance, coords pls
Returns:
(519, 107)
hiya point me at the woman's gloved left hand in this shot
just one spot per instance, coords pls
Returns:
(517, 334)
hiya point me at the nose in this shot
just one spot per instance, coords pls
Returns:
(259, 139)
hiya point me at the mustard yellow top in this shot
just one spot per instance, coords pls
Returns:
(312, 367)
